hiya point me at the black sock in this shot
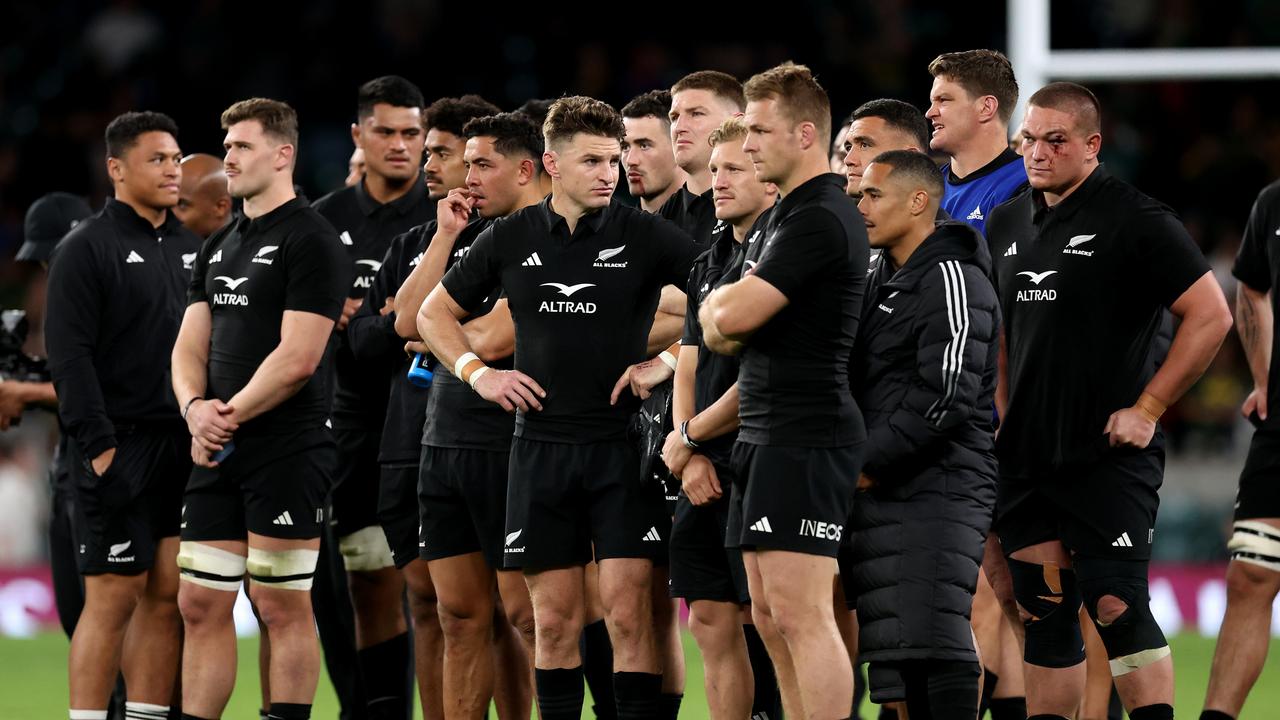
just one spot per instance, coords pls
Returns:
(559, 693)
(637, 694)
(1152, 712)
(289, 711)
(1010, 708)
(768, 701)
(597, 667)
(1215, 715)
(669, 705)
(382, 667)
(189, 716)
(989, 680)
(888, 712)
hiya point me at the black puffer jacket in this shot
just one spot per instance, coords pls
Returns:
(924, 374)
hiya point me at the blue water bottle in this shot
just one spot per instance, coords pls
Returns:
(420, 371)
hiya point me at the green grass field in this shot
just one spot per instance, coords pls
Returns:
(33, 684)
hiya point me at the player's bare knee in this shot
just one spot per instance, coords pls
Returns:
(1109, 609)
(1246, 581)
(461, 623)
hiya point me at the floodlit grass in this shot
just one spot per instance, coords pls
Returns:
(33, 681)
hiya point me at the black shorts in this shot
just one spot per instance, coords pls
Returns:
(398, 510)
(270, 485)
(564, 500)
(356, 475)
(1105, 509)
(792, 498)
(1259, 493)
(121, 514)
(462, 501)
(701, 567)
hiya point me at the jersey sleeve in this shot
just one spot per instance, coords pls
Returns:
(805, 245)
(476, 274)
(1166, 259)
(196, 291)
(318, 275)
(692, 334)
(1253, 265)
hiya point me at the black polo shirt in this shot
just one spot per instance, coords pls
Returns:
(582, 304)
(250, 273)
(1258, 266)
(721, 264)
(115, 302)
(695, 214)
(1082, 287)
(793, 382)
(365, 228)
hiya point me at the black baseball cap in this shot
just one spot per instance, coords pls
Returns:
(48, 220)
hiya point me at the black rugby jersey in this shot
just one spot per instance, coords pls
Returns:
(365, 229)
(1258, 266)
(1082, 287)
(250, 273)
(582, 305)
(793, 380)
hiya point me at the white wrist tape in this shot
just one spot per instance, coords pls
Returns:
(476, 375)
(666, 357)
(462, 362)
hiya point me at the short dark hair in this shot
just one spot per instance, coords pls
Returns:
(276, 117)
(917, 167)
(980, 73)
(452, 114)
(901, 116)
(536, 109)
(655, 103)
(390, 90)
(512, 133)
(122, 132)
(580, 114)
(1072, 98)
(798, 94)
(722, 85)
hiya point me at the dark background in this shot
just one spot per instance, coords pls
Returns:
(67, 67)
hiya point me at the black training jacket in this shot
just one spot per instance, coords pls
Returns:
(117, 293)
(924, 374)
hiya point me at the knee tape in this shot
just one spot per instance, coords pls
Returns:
(1050, 596)
(210, 566)
(1257, 543)
(284, 569)
(1134, 639)
(366, 549)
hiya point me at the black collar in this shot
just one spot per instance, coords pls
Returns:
(263, 223)
(593, 220)
(1072, 203)
(401, 205)
(124, 212)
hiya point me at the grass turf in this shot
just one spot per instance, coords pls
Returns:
(33, 681)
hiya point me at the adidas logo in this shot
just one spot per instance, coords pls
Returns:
(762, 525)
(283, 519)
(216, 257)
(531, 261)
(976, 214)
(461, 251)
(345, 237)
(1123, 541)
(652, 535)
(134, 257)
(1013, 250)
(414, 262)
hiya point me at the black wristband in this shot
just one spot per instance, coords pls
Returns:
(187, 408)
(684, 436)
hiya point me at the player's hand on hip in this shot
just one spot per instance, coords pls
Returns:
(1130, 427)
(103, 462)
(210, 423)
(700, 482)
(511, 389)
(641, 378)
(1256, 402)
(675, 454)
